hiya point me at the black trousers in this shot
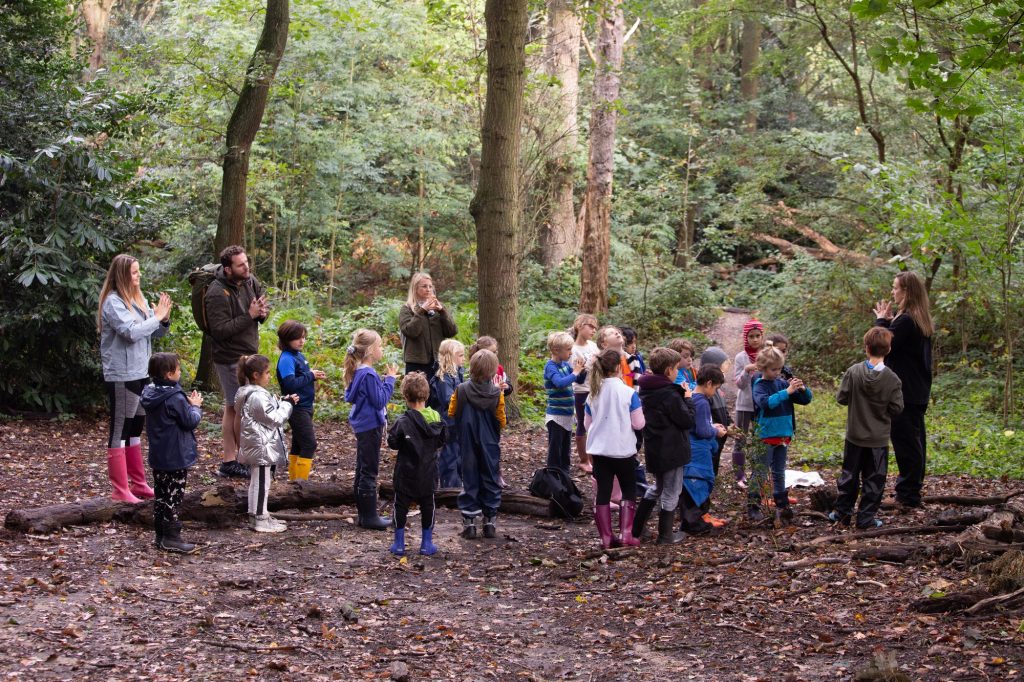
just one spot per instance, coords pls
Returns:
(367, 461)
(426, 505)
(864, 471)
(303, 435)
(559, 446)
(909, 446)
(606, 469)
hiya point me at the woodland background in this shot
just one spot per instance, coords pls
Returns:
(786, 157)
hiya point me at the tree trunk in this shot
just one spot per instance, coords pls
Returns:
(245, 122)
(601, 164)
(559, 237)
(750, 50)
(97, 20)
(495, 207)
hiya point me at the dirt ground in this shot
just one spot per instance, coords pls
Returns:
(326, 601)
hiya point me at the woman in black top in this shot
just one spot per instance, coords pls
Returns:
(911, 360)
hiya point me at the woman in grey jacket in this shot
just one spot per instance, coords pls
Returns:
(126, 326)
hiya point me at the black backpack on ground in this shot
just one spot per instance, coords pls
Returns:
(551, 483)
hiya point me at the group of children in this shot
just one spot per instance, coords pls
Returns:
(599, 388)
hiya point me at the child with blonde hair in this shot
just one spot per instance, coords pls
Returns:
(773, 398)
(262, 417)
(583, 348)
(478, 408)
(451, 357)
(612, 415)
(369, 396)
(559, 377)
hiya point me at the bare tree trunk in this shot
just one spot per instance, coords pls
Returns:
(245, 122)
(495, 207)
(601, 165)
(750, 50)
(559, 237)
(97, 20)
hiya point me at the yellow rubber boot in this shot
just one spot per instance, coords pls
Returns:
(303, 465)
(291, 466)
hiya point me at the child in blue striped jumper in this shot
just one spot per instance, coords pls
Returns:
(559, 376)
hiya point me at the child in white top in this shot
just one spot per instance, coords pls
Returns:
(613, 412)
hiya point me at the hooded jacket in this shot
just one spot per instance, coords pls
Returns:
(478, 409)
(699, 474)
(170, 422)
(126, 336)
(873, 398)
(669, 416)
(261, 441)
(233, 332)
(369, 397)
(417, 442)
(422, 333)
(774, 407)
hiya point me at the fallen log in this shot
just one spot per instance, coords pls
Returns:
(823, 500)
(221, 506)
(958, 601)
(894, 554)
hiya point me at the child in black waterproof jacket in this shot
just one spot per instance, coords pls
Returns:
(417, 435)
(171, 419)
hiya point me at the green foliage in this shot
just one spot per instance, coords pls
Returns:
(68, 202)
(965, 435)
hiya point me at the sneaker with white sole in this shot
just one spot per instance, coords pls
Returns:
(266, 524)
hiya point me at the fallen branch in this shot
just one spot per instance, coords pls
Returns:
(723, 624)
(985, 603)
(251, 648)
(882, 532)
(814, 561)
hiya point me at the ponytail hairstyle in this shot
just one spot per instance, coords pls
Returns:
(770, 357)
(249, 366)
(915, 302)
(484, 343)
(607, 364)
(119, 281)
(446, 352)
(362, 341)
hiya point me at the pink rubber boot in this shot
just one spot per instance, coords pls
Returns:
(136, 472)
(118, 474)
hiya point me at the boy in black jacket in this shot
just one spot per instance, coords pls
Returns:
(417, 435)
(669, 415)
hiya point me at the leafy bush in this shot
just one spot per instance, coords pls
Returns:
(68, 202)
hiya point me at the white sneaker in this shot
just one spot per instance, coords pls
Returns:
(281, 523)
(266, 524)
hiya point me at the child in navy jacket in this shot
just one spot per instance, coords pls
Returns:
(369, 397)
(171, 419)
(451, 356)
(296, 378)
(774, 398)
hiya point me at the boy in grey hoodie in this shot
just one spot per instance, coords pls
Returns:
(873, 395)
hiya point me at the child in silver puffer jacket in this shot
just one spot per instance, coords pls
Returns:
(261, 445)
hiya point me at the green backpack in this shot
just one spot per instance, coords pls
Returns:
(200, 280)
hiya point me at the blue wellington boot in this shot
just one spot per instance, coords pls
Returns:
(427, 546)
(398, 546)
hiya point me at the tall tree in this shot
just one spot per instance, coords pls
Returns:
(245, 122)
(560, 236)
(495, 207)
(750, 50)
(601, 162)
